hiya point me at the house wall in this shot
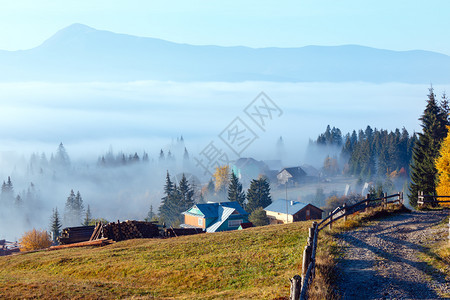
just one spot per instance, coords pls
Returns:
(225, 227)
(283, 176)
(192, 220)
(278, 218)
(314, 213)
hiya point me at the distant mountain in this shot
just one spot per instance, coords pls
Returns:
(81, 53)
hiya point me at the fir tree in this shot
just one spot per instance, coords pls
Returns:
(7, 191)
(161, 156)
(235, 192)
(73, 209)
(87, 216)
(426, 150)
(186, 155)
(186, 194)
(55, 225)
(150, 214)
(258, 194)
(61, 158)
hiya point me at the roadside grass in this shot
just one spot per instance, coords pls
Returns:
(328, 251)
(247, 264)
(437, 252)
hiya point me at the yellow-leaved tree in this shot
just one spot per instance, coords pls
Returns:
(443, 168)
(222, 178)
(34, 240)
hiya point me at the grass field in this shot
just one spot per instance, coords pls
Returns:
(253, 263)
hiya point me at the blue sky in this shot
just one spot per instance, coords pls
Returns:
(396, 25)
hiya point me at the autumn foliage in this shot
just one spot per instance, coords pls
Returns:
(34, 240)
(222, 178)
(443, 168)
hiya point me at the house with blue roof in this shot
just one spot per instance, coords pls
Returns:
(284, 211)
(214, 217)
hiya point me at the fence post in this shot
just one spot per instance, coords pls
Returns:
(296, 283)
(367, 202)
(311, 236)
(330, 226)
(306, 259)
(345, 211)
(385, 200)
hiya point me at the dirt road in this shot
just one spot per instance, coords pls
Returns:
(380, 261)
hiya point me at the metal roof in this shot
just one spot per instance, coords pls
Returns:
(211, 210)
(279, 206)
(224, 213)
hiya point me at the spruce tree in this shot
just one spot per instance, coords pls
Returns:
(87, 217)
(186, 194)
(235, 192)
(258, 194)
(426, 150)
(55, 225)
(73, 210)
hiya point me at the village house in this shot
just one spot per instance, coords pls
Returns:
(291, 176)
(283, 211)
(214, 217)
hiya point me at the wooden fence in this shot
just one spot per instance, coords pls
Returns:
(430, 199)
(300, 285)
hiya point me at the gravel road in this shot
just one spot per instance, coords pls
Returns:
(380, 261)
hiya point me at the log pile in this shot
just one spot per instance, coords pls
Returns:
(175, 232)
(71, 235)
(99, 242)
(126, 230)
(8, 248)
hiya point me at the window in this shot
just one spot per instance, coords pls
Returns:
(234, 223)
(200, 222)
(307, 212)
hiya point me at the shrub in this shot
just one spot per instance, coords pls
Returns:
(34, 240)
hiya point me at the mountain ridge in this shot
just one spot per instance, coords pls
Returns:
(82, 53)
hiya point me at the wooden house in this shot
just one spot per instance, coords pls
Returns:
(291, 176)
(286, 211)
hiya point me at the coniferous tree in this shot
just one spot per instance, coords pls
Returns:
(55, 225)
(161, 155)
(61, 158)
(235, 192)
(186, 194)
(73, 210)
(426, 150)
(258, 194)
(165, 209)
(87, 216)
(7, 191)
(150, 214)
(186, 155)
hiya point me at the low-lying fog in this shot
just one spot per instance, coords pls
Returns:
(93, 119)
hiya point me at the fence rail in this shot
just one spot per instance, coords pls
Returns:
(309, 253)
(431, 199)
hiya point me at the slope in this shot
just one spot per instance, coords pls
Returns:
(253, 263)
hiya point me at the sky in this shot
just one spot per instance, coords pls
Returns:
(396, 25)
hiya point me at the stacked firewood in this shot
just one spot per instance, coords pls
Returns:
(125, 230)
(78, 234)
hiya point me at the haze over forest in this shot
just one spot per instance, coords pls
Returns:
(81, 89)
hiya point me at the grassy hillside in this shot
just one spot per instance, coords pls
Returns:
(253, 263)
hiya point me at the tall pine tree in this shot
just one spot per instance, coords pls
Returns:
(426, 149)
(258, 194)
(235, 192)
(55, 225)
